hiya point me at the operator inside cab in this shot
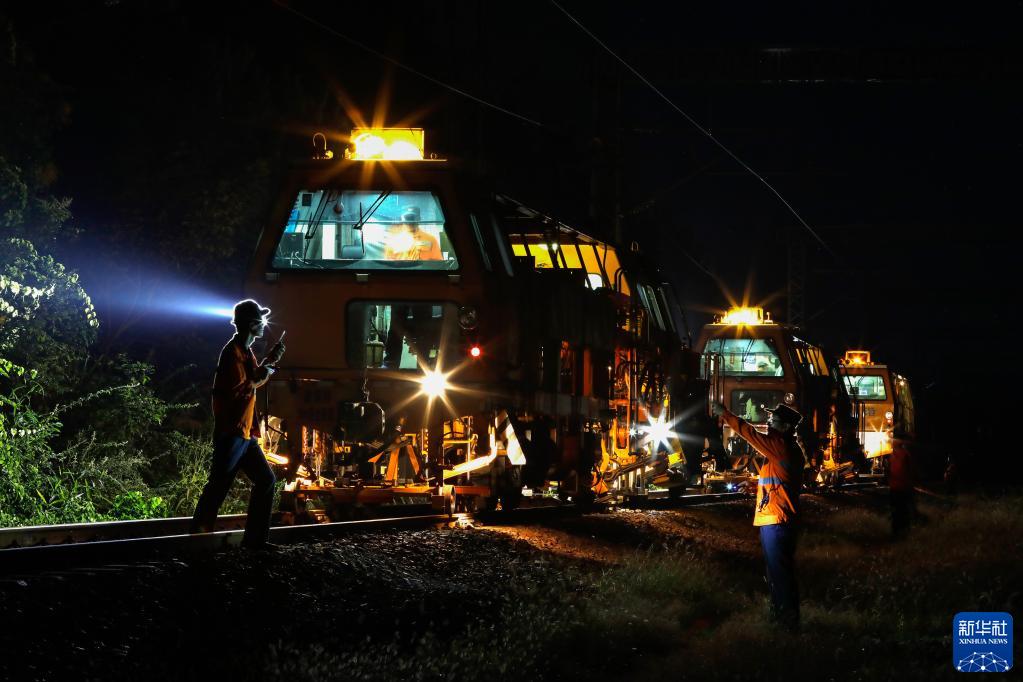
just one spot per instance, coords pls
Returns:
(406, 241)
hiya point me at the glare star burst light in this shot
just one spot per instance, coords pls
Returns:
(745, 316)
(659, 431)
(434, 384)
(388, 144)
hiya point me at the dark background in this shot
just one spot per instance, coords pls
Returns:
(894, 132)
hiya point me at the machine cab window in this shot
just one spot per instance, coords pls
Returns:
(399, 334)
(573, 252)
(865, 387)
(368, 230)
(747, 357)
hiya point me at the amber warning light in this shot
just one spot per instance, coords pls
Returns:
(745, 316)
(387, 144)
(857, 357)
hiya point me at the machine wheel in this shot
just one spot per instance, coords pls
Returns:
(675, 492)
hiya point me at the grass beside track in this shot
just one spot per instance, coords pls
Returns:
(873, 609)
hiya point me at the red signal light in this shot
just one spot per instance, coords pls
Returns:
(475, 350)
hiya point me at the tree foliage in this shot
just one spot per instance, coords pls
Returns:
(82, 432)
(47, 320)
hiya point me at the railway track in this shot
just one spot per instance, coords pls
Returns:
(60, 547)
(137, 549)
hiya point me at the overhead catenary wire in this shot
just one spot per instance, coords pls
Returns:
(695, 124)
(701, 267)
(463, 93)
(405, 67)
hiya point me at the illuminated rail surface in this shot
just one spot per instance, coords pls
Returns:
(49, 548)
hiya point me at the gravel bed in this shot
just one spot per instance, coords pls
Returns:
(229, 613)
(408, 605)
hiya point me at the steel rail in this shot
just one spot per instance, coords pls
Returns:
(60, 534)
(136, 549)
(56, 547)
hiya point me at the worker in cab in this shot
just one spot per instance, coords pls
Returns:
(408, 241)
(234, 427)
(777, 506)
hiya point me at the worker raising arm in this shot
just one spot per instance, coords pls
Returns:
(781, 477)
(777, 503)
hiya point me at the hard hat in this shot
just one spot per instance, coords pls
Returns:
(786, 414)
(248, 311)
(410, 214)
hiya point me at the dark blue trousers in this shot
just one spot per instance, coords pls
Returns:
(231, 453)
(902, 512)
(779, 543)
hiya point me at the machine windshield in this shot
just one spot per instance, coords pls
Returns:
(865, 387)
(368, 230)
(746, 357)
(752, 405)
(399, 334)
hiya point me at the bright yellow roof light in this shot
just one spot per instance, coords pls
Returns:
(857, 357)
(747, 316)
(390, 144)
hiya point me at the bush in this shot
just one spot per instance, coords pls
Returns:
(47, 320)
(137, 505)
(34, 489)
(74, 429)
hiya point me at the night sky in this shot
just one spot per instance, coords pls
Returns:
(894, 133)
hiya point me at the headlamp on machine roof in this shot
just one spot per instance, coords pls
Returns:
(387, 144)
(745, 316)
(856, 357)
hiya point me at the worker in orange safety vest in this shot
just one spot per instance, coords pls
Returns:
(777, 507)
(235, 445)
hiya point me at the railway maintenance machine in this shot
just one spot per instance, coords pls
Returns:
(448, 344)
(753, 363)
(882, 405)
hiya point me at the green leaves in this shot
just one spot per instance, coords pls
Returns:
(38, 295)
(138, 505)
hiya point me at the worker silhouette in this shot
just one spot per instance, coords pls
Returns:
(234, 444)
(900, 485)
(778, 488)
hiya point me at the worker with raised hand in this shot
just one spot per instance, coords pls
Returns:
(777, 506)
(234, 429)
